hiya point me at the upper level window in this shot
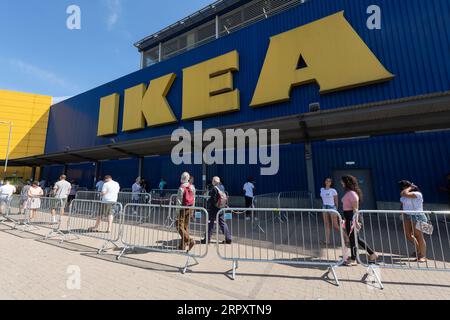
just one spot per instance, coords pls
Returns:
(151, 57)
(232, 21)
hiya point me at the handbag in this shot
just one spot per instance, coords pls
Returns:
(422, 226)
(425, 227)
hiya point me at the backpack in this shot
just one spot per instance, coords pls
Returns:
(188, 196)
(222, 199)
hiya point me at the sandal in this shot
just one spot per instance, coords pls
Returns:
(350, 263)
(422, 260)
(373, 258)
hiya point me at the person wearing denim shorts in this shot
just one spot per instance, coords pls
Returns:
(330, 201)
(412, 204)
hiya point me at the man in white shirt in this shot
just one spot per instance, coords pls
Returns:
(6, 192)
(249, 193)
(61, 190)
(110, 194)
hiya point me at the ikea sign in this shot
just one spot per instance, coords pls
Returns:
(328, 52)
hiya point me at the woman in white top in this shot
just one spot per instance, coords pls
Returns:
(412, 203)
(34, 199)
(330, 201)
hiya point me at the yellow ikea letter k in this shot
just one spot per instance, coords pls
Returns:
(148, 105)
(327, 51)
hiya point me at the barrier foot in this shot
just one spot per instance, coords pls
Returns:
(372, 272)
(64, 238)
(53, 234)
(102, 249)
(122, 252)
(332, 269)
(27, 227)
(235, 266)
(187, 264)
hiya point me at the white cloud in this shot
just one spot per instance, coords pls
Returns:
(114, 7)
(41, 74)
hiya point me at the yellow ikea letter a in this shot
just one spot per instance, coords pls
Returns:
(208, 87)
(327, 51)
(148, 105)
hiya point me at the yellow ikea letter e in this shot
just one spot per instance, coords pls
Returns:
(208, 87)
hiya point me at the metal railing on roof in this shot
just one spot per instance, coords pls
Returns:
(230, 22)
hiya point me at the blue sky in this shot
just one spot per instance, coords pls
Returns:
(38, 54)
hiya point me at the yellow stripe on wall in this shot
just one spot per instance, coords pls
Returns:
(29, 114)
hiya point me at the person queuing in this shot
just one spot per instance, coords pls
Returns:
(34, 199)
(412, 203)
(145, 186)
(350, 202)
(185, 198)
(99, 185)
(136, 190)
(6, 192)
(217, 201)
(110, 194)
(73, 191)
(249, 194)
(24, 197)
(330, 201)
(162, 186)
(61, 191)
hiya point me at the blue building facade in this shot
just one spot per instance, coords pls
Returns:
(413, 44)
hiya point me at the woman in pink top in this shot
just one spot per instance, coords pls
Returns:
(350, 202)
(34, 201)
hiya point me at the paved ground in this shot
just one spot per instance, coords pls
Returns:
(34, 269)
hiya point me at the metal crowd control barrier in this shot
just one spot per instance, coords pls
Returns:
(35, 213)
(399, 243)
(298, 241)
(152, 233)
(171, 219)
(132, 197)
(296, 199)
(5, 207)
(289, 200)
(269, 200)
(162, 194)
(123, 197)
(88, 195)
(84, 214)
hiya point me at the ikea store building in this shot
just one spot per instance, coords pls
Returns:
(356, 87)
